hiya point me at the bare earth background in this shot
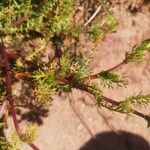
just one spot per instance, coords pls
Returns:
(62, 130)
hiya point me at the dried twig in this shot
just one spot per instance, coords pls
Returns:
(93, 16)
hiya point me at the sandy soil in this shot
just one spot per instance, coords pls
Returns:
(62, 130)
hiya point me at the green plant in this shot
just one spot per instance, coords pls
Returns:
(36, 23)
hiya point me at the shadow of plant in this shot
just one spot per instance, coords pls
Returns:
(32, 112)
(120, 140)
(34, 115)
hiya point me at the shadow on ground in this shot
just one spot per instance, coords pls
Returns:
(120, 140)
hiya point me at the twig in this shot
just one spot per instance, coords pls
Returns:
(93, 16)
(8, 88)
(80, 118)
(118, 66)
(33, 146)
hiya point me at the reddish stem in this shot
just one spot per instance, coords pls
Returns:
(34, 146)
(117, 66)
(6, 56)
(95, 76)
(109, 100)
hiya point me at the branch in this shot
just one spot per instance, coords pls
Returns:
(118, 66)
(137, 53)
(111, 101)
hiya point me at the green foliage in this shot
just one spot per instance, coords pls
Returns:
(4, 144)
(13, 144)
(43, 94)
(46, 82)
(95, 31)
(110, 79)
(74, 65)
(139, 99)
(96, 92)
(30, 134)
(39, 45)
(76, 30)
(99, 29)
(46, 17)
(138, 52)
(126, 106)
(111, 23)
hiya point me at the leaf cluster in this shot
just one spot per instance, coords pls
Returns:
(127, 105)
(110, 79)
(13, 144)
(138, 52)
(30, 134)
(50, 79)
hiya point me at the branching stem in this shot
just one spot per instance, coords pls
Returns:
(86, 89)
(109, 100)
